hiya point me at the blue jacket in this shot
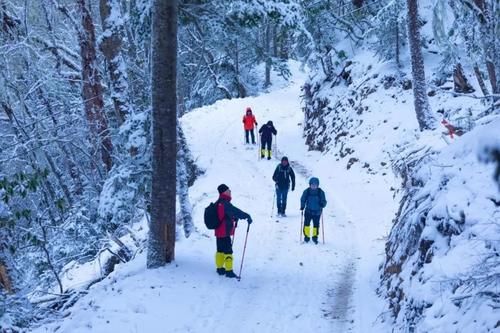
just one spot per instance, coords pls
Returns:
(313, 201)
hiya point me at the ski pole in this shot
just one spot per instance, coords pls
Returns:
(323, 228)
(274, 199)
(301, 224)
(243, 255)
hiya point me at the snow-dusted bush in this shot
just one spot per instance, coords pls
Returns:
(442, 266)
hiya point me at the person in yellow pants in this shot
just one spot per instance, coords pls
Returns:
(228, 216)
(313, 200)
(266, 139)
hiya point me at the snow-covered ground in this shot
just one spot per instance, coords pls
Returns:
(286, 286)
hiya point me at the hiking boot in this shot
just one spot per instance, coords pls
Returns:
(315, 240)
(269, 157)
(221, 271)
(230, 274)
(262, 156)
(306, 239)
(283, 214)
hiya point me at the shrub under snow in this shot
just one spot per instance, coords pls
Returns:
(442, 267)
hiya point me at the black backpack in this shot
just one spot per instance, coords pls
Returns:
(210, 217)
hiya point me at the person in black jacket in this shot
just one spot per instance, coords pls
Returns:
(228, 216)
(282, 176)
(266, 139)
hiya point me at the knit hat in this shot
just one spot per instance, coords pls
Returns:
(284, 158)
(314, 181)
(270, 123)
(249, 109)
(222, 188)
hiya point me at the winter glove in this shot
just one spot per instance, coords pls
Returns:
(293, 188)
(249, 220)
(301, 208)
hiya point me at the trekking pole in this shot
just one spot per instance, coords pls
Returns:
(275, 146)
(243, 255)
(234, 234)
(323, 228)
(258, 146)
(274, 199)
(301, 224)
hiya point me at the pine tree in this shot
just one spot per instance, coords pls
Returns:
(164, 124)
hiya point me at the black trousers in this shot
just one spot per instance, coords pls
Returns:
(308, 217)
(224, 245)
(265, 143)
(251, 134)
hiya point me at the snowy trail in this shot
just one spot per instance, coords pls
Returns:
(286, 286)
(312, 285)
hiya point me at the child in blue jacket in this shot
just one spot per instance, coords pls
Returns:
(313, 200)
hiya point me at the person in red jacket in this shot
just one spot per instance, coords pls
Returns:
(229, 216)
(249, 122)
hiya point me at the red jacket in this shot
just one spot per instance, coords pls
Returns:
(228, 215)
(248, 121)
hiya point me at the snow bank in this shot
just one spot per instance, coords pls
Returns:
(442, 268)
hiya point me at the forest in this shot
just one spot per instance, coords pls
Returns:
(92, 93)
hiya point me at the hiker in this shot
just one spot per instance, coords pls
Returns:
(282, 176)
(229, 216)
(266, 139)
(248, 124)
(313, 200)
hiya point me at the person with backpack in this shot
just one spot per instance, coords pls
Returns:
(282, 176)
(266, 139)
(228, 216)
(313, 200)
(248, 124)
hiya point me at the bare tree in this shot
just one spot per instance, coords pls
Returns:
(425, 117)
(161, 244)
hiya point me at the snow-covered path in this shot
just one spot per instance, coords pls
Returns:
(286, 286)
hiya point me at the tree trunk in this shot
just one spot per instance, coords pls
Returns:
(267, 50)
(480, 80)
(5, 280)
(398, 52)
(461, 84)
(161, 244)
(186, 209)
(425, 117)
(91, 87)
(488, 29)
(111, 47)
(490, 66)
